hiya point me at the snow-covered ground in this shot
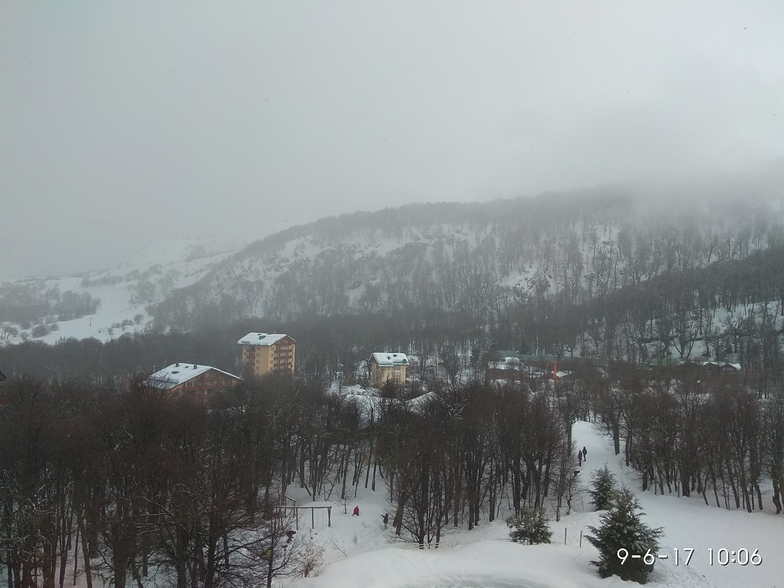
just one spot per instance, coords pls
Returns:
(161, 265)
(359, 553)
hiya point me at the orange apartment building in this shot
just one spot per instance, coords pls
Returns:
(264, 353)
(193, 380)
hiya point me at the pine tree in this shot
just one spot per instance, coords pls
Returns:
(622, 529)
(530, 525)
(604, 489)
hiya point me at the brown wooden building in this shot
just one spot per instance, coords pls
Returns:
(193, 380)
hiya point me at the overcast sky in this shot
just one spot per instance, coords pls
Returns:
(124, 121)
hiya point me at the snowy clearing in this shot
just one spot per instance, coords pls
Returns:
(359, 553)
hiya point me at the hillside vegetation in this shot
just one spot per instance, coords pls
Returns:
(613, 272)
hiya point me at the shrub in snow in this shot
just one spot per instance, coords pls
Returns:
(622, 529)
(529, 525)
(604, 489)
(40, 331)
(311, 558)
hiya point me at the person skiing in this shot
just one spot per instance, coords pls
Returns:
(580, 457)
(356, 511)
(385, 516)
(585, 454)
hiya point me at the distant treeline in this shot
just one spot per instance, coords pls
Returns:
(27, 301)
(731, 310)
(325, 346)
(481, 261)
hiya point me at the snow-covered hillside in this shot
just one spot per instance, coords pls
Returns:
(606, 274)
(125, 292)
(610, 275)
(360, 553)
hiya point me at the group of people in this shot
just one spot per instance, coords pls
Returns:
(384, 516)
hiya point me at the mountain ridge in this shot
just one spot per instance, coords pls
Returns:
(501, 265)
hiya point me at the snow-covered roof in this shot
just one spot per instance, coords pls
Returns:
(421, 401)
(390, 359)
(261, 339)
(723, 364)
(177, 373)
(505, 365)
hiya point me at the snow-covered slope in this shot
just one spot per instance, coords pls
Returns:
(360, 553)
(465, 259)
(678, 278)
(124, 291)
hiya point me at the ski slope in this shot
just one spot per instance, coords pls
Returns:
(359, 553)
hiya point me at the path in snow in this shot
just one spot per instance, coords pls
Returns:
(485, 557)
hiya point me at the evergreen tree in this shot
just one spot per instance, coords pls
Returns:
(621, 529)
(530, 525)
(604, 489)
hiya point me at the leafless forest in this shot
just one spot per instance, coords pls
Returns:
(127, 482)
(103, 474)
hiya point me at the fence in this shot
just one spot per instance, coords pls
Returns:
(429, 546)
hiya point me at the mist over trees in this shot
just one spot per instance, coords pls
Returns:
(31, 303)
(614, 273)
(101, 468)
(602, 274)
